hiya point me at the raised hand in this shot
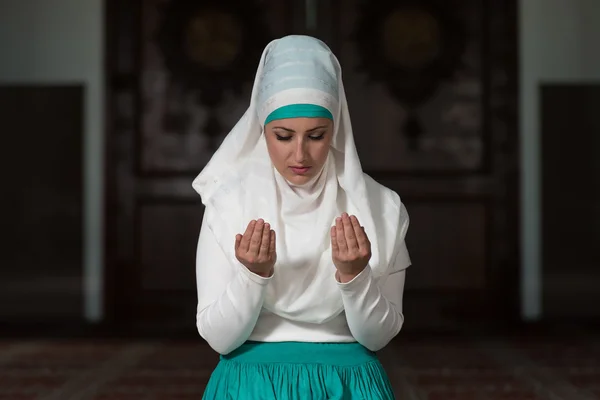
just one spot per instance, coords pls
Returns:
(351, 249)
(255, 249)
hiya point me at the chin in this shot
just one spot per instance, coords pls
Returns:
(298, 179)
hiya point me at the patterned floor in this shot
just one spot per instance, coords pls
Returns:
(421, 369)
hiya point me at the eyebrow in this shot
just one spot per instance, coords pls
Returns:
(316, 128)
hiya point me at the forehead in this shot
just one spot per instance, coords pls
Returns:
(300, 124)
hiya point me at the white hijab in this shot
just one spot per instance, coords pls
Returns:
(241, 184)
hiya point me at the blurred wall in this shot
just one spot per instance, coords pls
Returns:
(61, 41)
(558, 40)
(56, 42)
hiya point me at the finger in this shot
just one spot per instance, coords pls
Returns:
(361, 236)
(334, 244)
(265, 242)
(255, 239)
(272, 244)
(339, 235)
(349, 233)
(245, 243)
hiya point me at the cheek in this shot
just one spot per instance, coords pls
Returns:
(276, 151)
(321, 152)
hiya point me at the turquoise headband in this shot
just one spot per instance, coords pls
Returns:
(299, 111)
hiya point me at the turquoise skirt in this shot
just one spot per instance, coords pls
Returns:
(303, 371)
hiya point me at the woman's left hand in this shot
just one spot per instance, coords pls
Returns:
(351, 249)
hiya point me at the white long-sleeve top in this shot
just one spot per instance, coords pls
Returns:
(230, 305)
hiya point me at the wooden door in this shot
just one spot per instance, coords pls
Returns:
(432, 93)
(41, 274)
(180, 76)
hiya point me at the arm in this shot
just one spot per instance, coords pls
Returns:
(230, 297)
(374, 314)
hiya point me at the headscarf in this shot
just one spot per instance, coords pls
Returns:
(240, 183)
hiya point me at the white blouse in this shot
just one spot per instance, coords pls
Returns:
(230, 301)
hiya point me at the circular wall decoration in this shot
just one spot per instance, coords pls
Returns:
(411, 46)
(211, 47)
(213, 39)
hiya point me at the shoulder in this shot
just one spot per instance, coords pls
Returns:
(381, 197)
(387, 207)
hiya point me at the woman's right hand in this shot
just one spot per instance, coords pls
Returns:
(256, 248)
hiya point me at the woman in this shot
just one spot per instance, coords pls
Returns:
(301, 257)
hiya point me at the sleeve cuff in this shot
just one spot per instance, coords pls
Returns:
(358, 282)
(254, 277)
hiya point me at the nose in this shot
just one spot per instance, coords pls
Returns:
(300, 151)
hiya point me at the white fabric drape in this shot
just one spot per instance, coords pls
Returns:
(240, 184)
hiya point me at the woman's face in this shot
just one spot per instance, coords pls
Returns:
(298, 147)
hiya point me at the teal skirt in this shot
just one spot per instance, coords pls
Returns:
(303, 371)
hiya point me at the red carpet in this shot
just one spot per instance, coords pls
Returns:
(508, 369)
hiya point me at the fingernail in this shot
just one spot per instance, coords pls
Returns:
(338, 219)
(267, 225)
(260, 221)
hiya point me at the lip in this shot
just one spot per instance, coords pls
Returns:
(300, 170)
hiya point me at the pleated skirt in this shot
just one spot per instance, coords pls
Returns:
(299, 371)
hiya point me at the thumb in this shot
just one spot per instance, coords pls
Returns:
(238, 240)
(334, 244)
(272, 247)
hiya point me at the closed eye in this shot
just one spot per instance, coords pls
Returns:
(283, 138)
